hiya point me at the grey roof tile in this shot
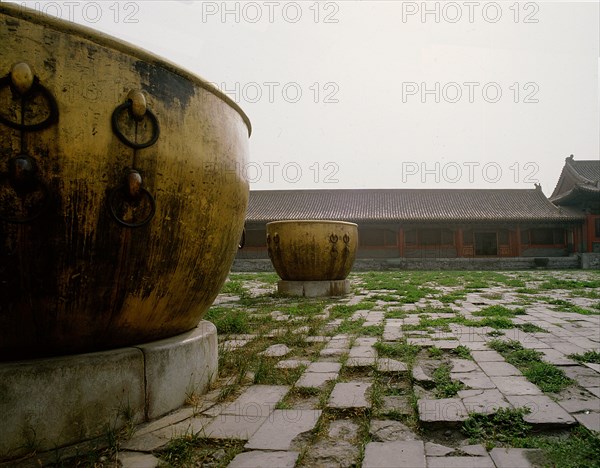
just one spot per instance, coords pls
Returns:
(411, 205)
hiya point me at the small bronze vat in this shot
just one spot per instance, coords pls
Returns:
(122, 199)
(312, 250)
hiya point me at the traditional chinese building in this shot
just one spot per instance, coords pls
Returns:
(447, 223)
(579, 189)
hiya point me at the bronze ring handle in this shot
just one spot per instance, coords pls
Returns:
(146, 220)
(36, 87)
(115, 126)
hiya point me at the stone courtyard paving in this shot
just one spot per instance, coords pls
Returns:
(414, 369)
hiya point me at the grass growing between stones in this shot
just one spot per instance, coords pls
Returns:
(345, 311)
(576, 448)
(229, 320)
(462, 352)
(547, 377)
(194, 450)
(589, 356)
(265, 372)
(264, 277)
(503, 426)
(427, 323)
(499, 311)
(565, 306)
(530, 328)
(445, 387)
(579, 448)
(399, 350)
(356, 327)
(395, 314)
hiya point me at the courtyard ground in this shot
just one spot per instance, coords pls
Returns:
(415, 369)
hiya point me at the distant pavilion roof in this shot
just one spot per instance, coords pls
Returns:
(578, 180)
(407, 205)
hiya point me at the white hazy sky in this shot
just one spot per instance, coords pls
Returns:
(386, 94)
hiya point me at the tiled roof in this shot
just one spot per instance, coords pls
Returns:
(577, 177)
(588, 170)
(406, 205)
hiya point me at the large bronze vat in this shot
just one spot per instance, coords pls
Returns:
(122, 199)
(312, 250)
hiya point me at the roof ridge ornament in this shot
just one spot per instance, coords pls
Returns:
(538, 186)
(570, 158)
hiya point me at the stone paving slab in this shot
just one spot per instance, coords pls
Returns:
(280, 429)
(476, 380)
(349, 395)
(592, 365)
(360, 362)
(149, 441)
(261, 459)
(568, 348)
(475, 345)
(317, 339)
(324, 367)
(513, 457)
(476, 450)
(425, 342)
(499, 369)
(358, 314)
(339, 341)
(420, 376)
(459, 462)
(315, 379)
(437, 450)
(582, 375)
(172, 418)
(389, 454)
(327, 352)
(388, 430)
(137, 460)
(442, 410)
(362, 352)
(292, 363)
(392, 332)
(257, 400)
(230, 345)
(589, 419)
(387, 365)
(276, 350)
(594, 391)
(463, 365)
(233, 426)
(533, 343)
(515, 385)
(396, 403)
(575, 400)
(553, 356)
(484, 402)
(327, 453)
(544, 411)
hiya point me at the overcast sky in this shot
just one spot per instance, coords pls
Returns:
(386, 94)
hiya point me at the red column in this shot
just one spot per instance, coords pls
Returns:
(459, 242)
(518, 246)
(589, 222)
(401, 241)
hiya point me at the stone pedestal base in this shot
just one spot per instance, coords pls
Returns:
(314, 288)
(56, 402)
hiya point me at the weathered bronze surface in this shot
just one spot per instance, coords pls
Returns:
(312, 250)
(109, 240)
